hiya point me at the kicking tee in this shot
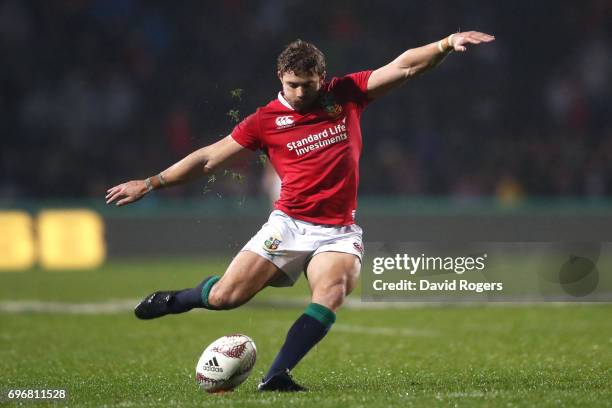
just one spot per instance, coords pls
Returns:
(315, 152)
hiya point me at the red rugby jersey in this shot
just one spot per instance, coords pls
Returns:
(316, 152)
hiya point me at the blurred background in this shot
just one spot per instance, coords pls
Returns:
(96, 92)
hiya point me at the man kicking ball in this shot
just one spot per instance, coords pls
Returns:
(312, 136)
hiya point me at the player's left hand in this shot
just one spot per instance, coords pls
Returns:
(459, 41)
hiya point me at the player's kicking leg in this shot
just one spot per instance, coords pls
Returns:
(247, 274)
(332, 276)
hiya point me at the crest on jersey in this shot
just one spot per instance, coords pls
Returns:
(333, 108)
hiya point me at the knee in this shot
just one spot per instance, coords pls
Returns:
(225, 297)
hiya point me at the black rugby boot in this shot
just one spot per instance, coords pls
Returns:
(156, 305)
(281, 382)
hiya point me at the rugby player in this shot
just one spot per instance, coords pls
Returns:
(311, 134)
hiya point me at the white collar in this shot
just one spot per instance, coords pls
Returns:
(282, 100)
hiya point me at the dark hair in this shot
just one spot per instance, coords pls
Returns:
(301, 57)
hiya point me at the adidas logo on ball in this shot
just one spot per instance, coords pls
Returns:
(212, 365)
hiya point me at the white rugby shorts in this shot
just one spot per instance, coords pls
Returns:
(290, 243)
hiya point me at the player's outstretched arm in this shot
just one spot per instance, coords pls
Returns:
(418, 60)
(197, 164)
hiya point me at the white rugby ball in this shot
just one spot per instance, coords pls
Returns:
(226, 363)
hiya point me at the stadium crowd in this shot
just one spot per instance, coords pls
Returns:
(97, 90)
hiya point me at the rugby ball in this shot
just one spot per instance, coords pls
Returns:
(226, 363)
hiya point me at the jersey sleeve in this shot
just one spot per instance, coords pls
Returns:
(247, 134)
(354, 87)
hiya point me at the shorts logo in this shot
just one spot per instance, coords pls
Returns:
(272, 243)
(358, 247)
(283, 122)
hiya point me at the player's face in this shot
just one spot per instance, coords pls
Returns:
(301, 90)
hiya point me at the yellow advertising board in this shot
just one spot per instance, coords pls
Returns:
(70, 239)
(17, 249)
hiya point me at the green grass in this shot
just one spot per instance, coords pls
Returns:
(444, 356)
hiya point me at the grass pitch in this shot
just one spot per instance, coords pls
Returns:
(484, 355)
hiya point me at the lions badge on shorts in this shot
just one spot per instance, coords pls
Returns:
(271, 244)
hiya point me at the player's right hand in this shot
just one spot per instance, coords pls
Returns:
(126, 193)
